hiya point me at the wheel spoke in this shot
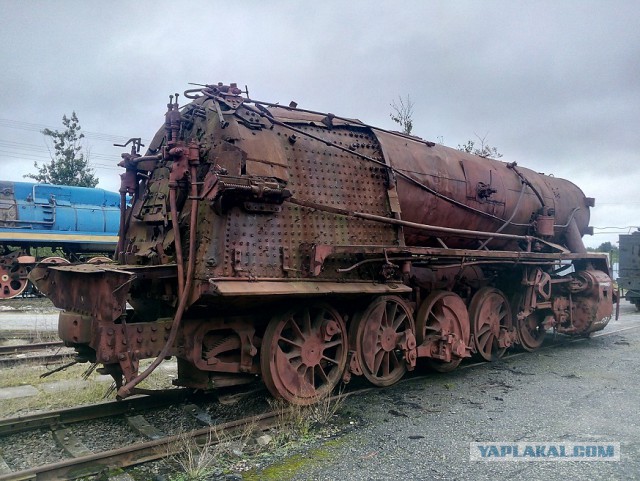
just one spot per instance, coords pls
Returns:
(399, 320)
(306, 377)
(293, 342)
(306, 321)
(322, 374)
(377, 361)
(484, 329)
(486, 342)
(318, 320)
(391, 310)
(394, 357)
(330, 344)
(292, 355)
(386, 364)
(292, 322)
(329, 359)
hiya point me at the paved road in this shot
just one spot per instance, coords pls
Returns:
(584, 391)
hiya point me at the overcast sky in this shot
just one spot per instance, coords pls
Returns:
(554, 85)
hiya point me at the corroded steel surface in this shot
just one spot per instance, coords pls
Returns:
(245, 213)
(490, 187)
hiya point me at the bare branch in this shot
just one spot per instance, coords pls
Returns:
(403, 114)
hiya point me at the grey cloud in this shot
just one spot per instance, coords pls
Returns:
(554, 85)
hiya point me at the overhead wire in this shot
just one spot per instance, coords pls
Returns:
(17, 124)
(28, 151)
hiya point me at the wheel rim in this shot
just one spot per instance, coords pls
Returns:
(13, 281)
(99, 260)
(490, 313)
(55, 260)
(304, 353)
(441, 314)
(375, 335)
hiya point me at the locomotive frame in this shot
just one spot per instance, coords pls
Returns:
(294, 245)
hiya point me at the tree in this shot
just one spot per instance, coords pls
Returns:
(403, 114)
(605, 247)
(608, 248)
(484, 150)
(70, 160)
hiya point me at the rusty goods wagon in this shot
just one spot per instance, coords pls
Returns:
(307, 248)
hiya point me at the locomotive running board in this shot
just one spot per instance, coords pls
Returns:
(306, 288)
(96, 290)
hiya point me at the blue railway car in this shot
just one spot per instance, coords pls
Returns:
(79, 222)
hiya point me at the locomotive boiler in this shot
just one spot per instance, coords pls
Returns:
(80, 222)
(307, 248)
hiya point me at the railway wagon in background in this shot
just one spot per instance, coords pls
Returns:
(307, 248)
(629, 267)
(75, 223)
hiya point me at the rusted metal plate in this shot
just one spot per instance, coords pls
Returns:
(89, 289)
(276, 288)
(317, 173)
(74, 327)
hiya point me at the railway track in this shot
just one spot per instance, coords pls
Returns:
(68, 416)
(87, 464)
(43, 352)
(83, 462)
(30, 347)
(61, 426)
(27, 335)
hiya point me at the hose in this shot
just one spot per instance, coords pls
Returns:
(177, 240)
(126, 390)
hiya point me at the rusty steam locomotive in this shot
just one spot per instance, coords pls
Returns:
(307, 248)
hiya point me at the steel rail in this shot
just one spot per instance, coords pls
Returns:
(89, 412)
(26, 334)
(35, 346)
(39, 358)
